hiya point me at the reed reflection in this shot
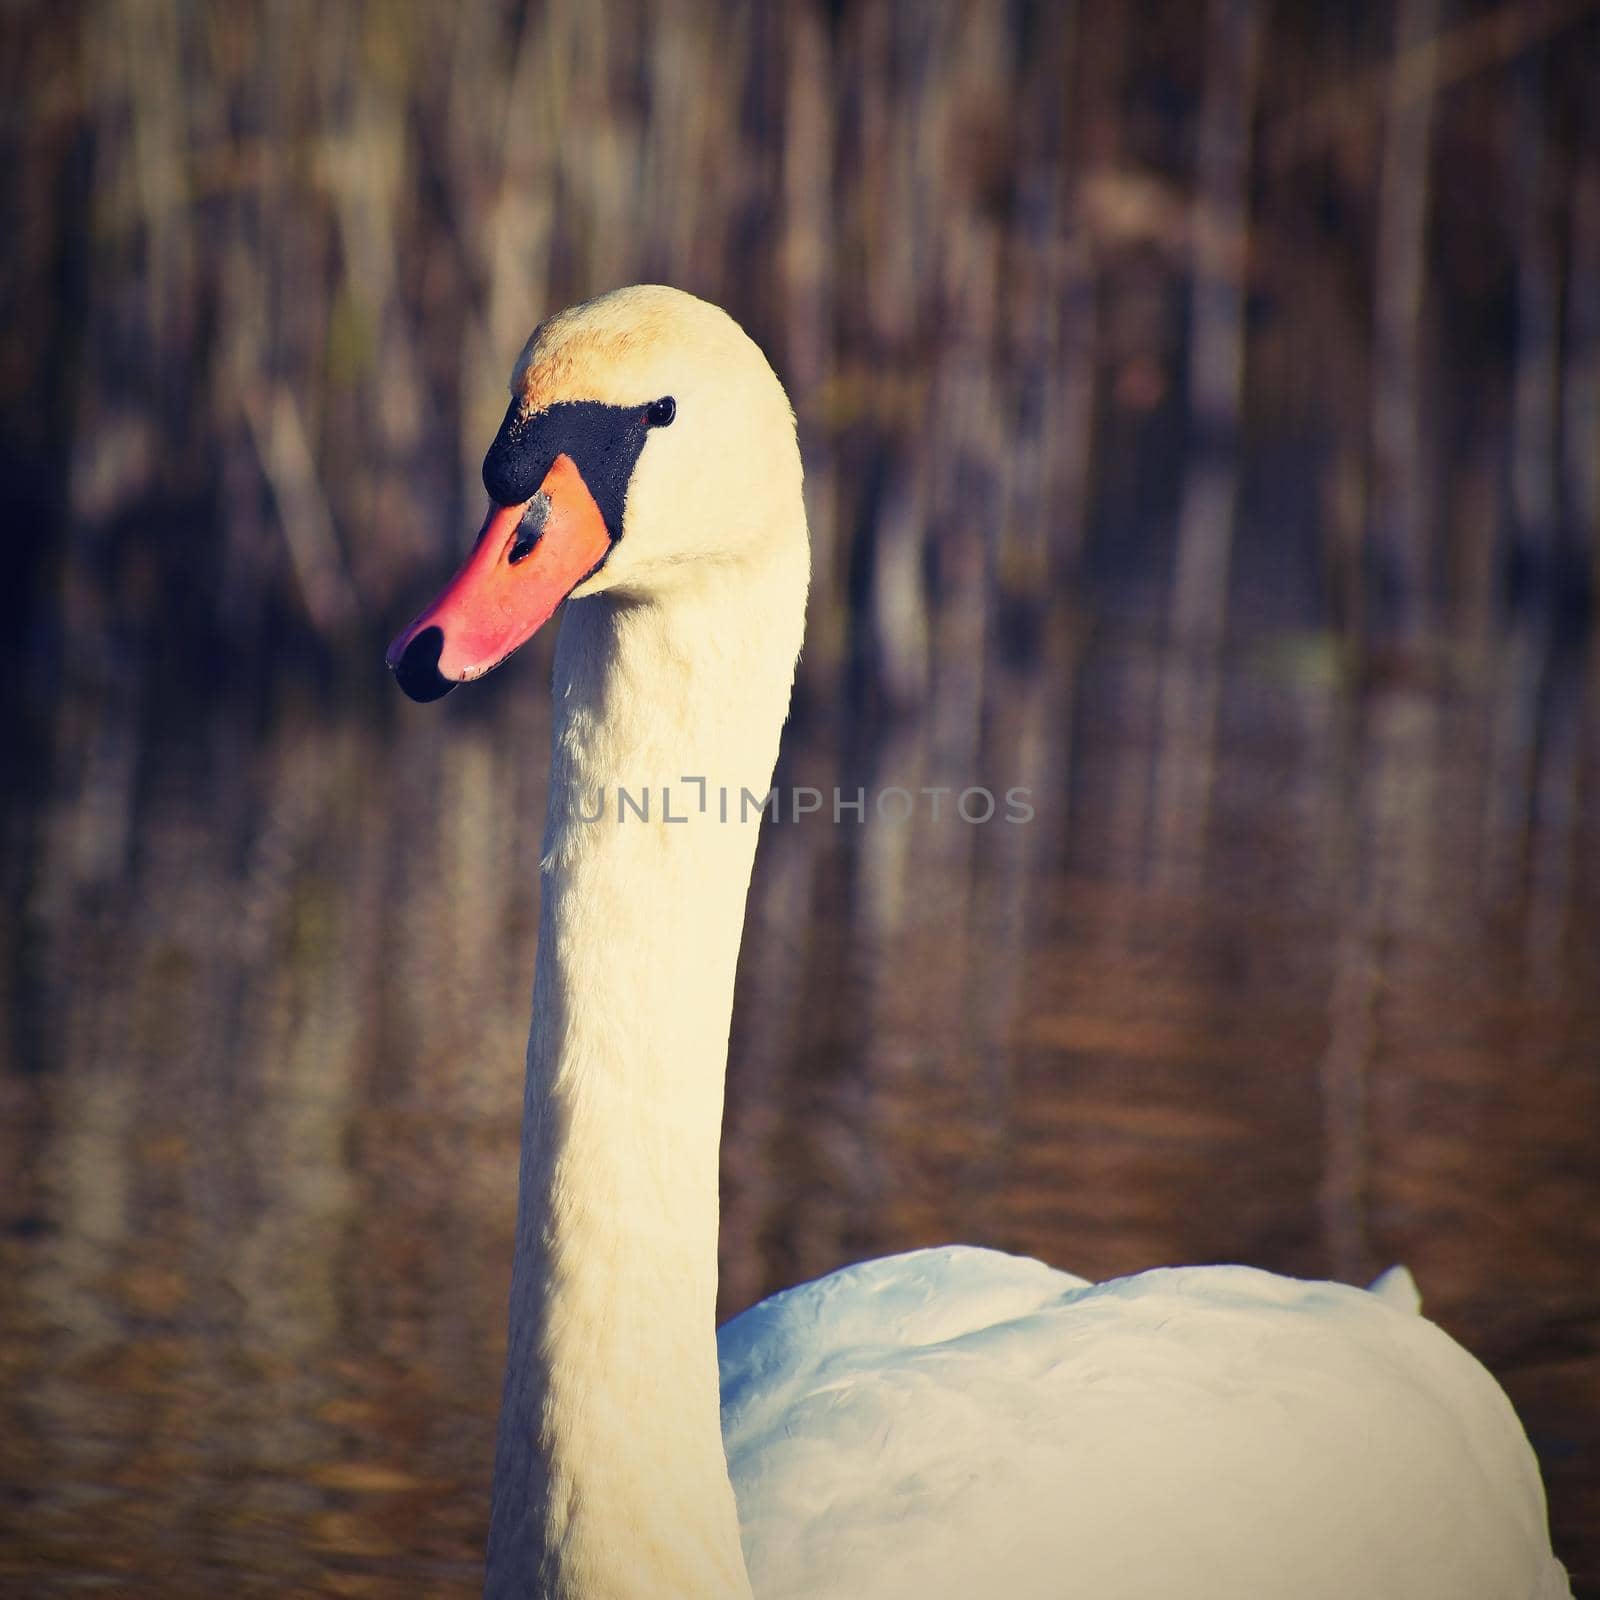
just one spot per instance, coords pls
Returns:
(1199, 409)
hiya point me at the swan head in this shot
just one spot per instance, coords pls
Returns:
(647, 442)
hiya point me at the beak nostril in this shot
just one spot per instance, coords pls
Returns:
(534, 516)
(417, 670)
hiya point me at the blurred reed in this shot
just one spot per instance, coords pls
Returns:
(269, 264)
(1201, 408)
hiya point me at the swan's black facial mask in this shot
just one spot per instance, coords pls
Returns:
(603, 441)
(558, 484)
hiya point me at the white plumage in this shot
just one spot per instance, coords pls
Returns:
(948, 1425)
(959, 1422)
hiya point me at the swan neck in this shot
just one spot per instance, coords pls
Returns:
(610, 1476)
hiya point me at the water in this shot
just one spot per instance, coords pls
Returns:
(1283, 970)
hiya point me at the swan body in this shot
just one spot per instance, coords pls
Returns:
(961, 1422)
(953, 1422)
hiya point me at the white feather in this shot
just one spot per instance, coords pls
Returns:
(952, 1423)
(959, 1422)
(1396, 1286)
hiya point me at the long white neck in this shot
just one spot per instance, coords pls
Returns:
(610, 1481)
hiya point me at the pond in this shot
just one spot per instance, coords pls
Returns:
(1283, 968)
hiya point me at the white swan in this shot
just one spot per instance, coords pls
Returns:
(947, 1423)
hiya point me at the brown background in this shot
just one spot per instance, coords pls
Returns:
(1201, 406)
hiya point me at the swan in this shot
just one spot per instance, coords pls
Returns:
(951, 1422)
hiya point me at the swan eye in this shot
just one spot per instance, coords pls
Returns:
(659, 413)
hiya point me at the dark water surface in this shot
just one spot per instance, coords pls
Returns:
(1280, 972)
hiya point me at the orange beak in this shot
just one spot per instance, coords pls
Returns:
(527, 560)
